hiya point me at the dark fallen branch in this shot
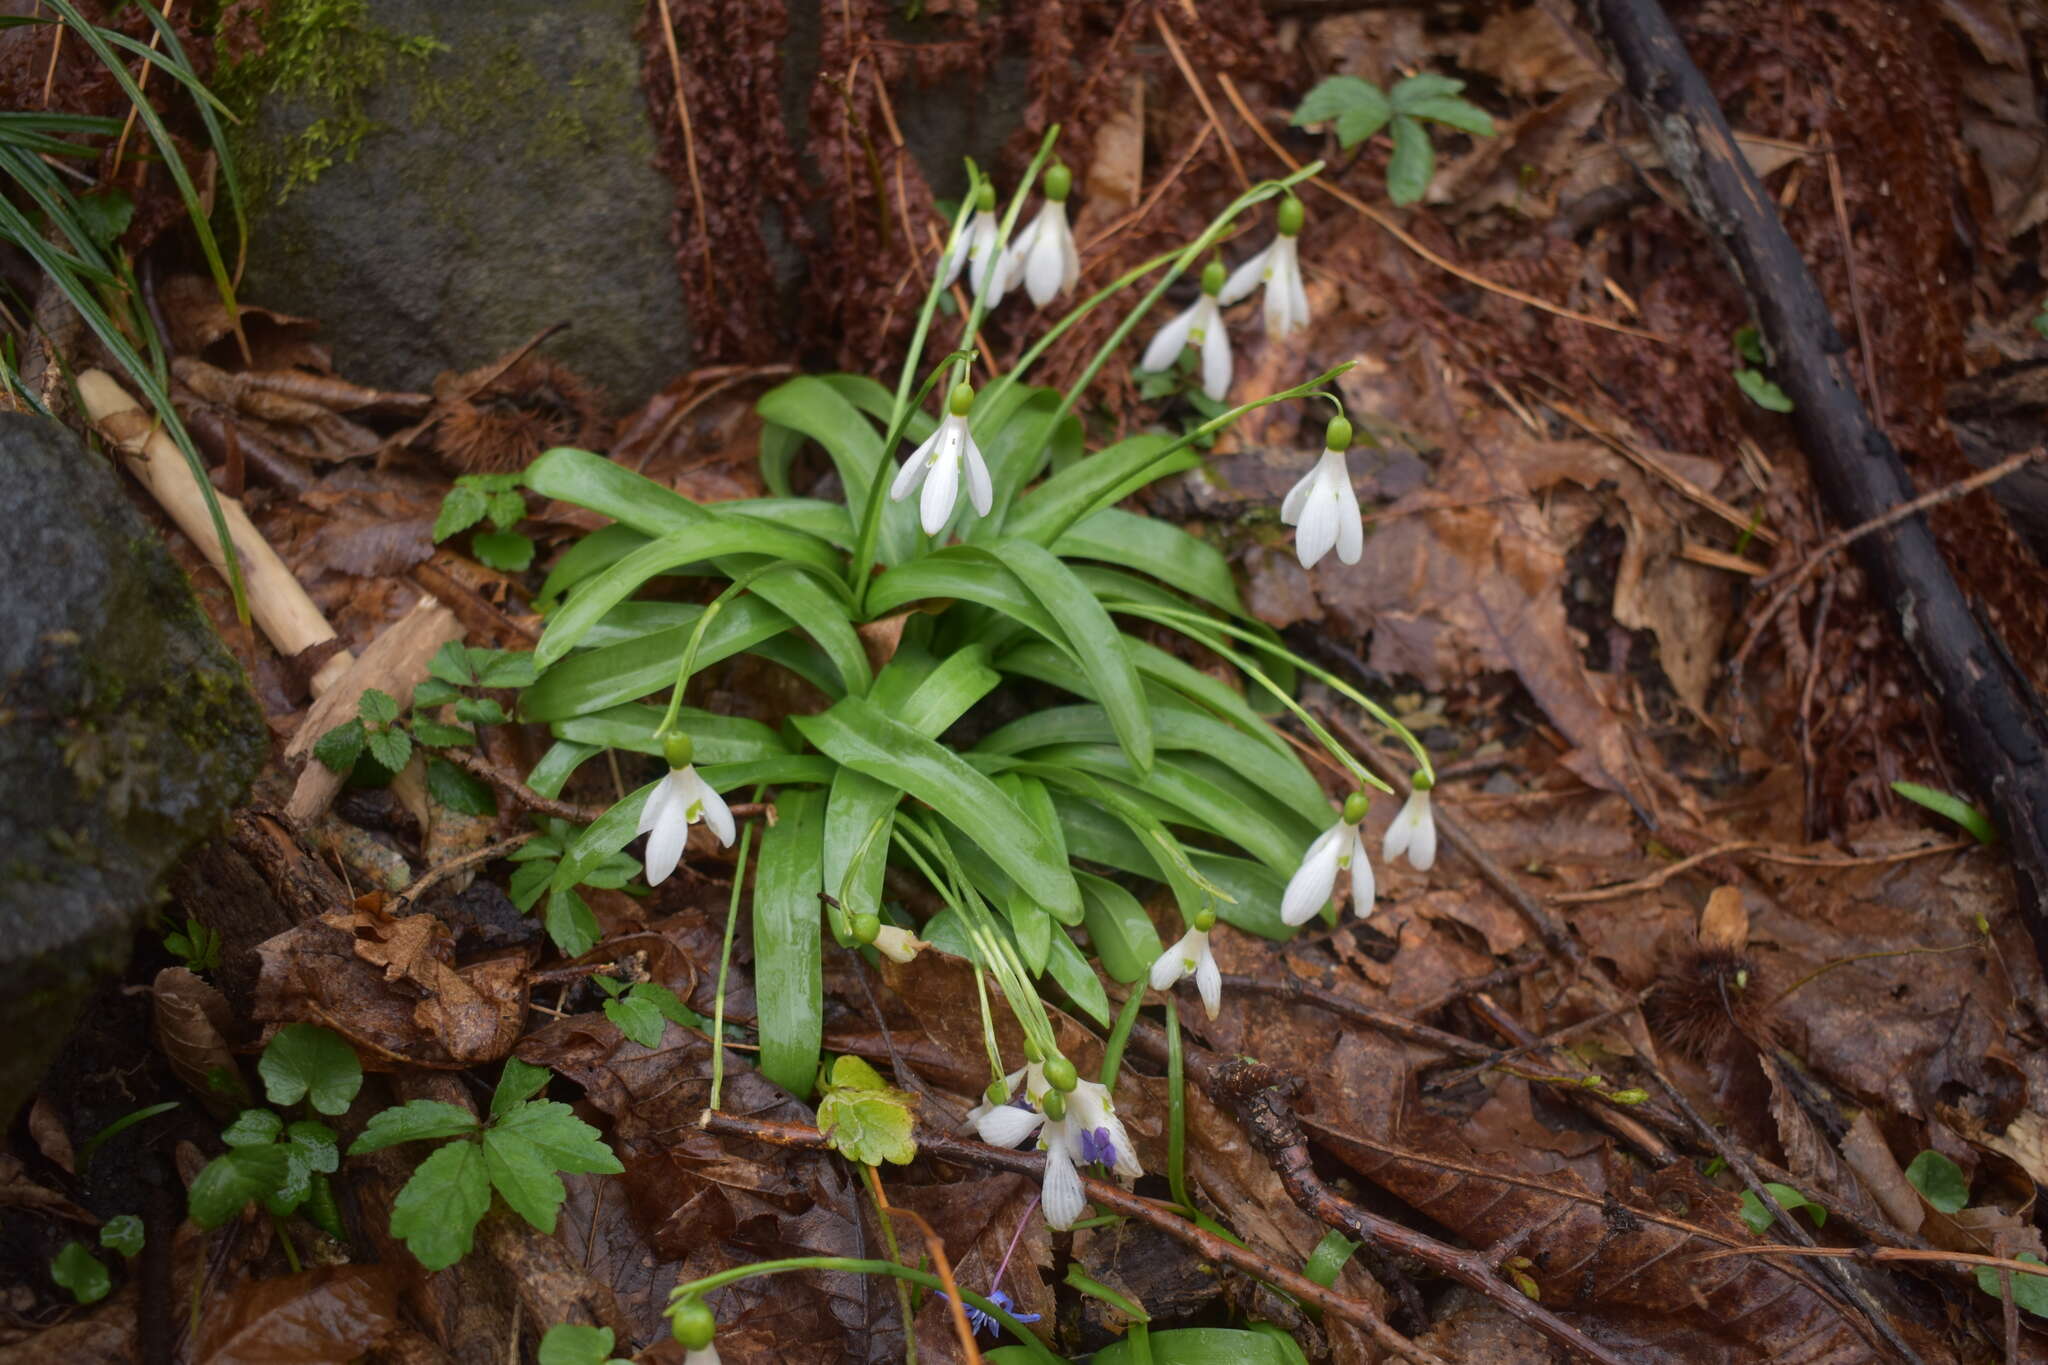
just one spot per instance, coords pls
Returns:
(1995, 718)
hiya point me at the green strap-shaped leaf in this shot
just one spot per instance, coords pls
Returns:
(1101, 480)
(828, 521)
(1155, 547)
(718, 738)
(971, 574)
(1096, 642)
(855, 734)
(1126, 944)
(597, 679)
(1175, 682)
(946, 693)
(1076, 976)
(812, 405)
(789, 982)
(1101, 837)
(598, 550)
(558, 764)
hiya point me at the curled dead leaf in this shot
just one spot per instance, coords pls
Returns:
(333, 1313)
(192, 1020)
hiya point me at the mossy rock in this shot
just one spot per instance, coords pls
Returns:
(127, 733)
(435, 183)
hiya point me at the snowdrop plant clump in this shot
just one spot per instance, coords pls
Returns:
(1038, 836)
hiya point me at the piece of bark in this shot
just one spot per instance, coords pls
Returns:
(1995, 720)
(281, 608)
(395, 663)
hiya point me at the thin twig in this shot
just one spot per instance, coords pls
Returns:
(1864, 341)
(941, 1265)
(442, 871)
(1180, 59)
(675, 66)
(1393, 229)
(477, 765)
(1113, 1199)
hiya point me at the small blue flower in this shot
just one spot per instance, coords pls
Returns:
(986, 1322)
(1098, 1145)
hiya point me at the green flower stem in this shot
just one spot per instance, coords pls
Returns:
(688, 665)
(1189, 255)
(854, 1266)
(1009, 224)
(1330, 680)
(732, 919)
(1213, 425)
(1176, 1112)
(878, 491)
(1119, 1037)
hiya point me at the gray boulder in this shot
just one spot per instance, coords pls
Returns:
(437, 184)
(127, 732)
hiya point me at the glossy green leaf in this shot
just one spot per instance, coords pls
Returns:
(1096, 643)
(788, 971)
(78, 1270)
(1327, 1261)
(1155, 547)
(437, 1211)
(1950, 807)
(123, 1235)
(1760, 1219)
(1103, 479)
(228, 1182)
(858, 814)
(1066, 965)
(517, 1083)
(558, 764)
(948, 691)
(812, 405)
(565, 1141)
(1940, 1181)
(1122, 934)
(718, 738)
(1198, 1346)
(595, 552)
(2028, 1291)
(414, 1121)
(858, 736)
(571, 1343)
(828, 521)
(305, 1061)
(596, 679)
(1100, 837)
(969, 573)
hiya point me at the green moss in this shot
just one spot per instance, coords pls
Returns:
(324, 54)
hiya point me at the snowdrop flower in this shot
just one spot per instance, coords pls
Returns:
(1278, 267)
(682, 799)
(1043, 257)
(1340, 846)
(1200, 326)
(937, 464)
(693, 1326)
(1076, 1124)
(1191, 956)
(1414, 830)
(1322, 507)
(980, 243)
(898, 945)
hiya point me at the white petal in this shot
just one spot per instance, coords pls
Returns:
(1317, 529)
(702, 1355)
(1309, 889)
(1215, 355)
(1283, 289)
(1007, 1125)
(1422, 852)
(1299, 293)
(1250, 275)
(914, 468)
(671, 831)
(1350, 526)
(1361, 882)
(711, 807)
(1209, 982)
(1044, 270)
(1126, 1165)
(942, 487)
(1170, 966)
(987, 258)
(980, 491)
(1169, 341)
(951, 259)
(1063, 1197)
(1400, 832)
(1290, 506)
(1070, 255)
(650, 810)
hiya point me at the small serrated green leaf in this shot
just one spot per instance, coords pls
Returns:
(437, 1212)
(869, 1126)
(1406, 93)
(459, 791)
(1950, 807)
(1413, 164)
(853, 1073)
(414, 1121)
(1761, 391)
(252, 1128)
(1452, 112)
(1940, 1181)
(79, 1271)
(228, 1182)
(567, 1141)
(1339, 98)
(436, 735)
(672, 1009)
(123, 1235)
(505, 551)
(530, 881)
(520, 1173)
(508, 508)
(518, 1082)
(463, 507)
(1749, 344)
(570, 923)
(340, 747)
(480, 711)
(638, 1019)
(433, 692)
(391, 748)
(503, 667)
(376, 707)
(451, 665)
(305, 1061)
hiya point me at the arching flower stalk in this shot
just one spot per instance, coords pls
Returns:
(1340, 847)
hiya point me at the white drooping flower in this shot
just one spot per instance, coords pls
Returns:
(679, 801)
(979, 245)
(1192, 957)
(899, 945)
(1413, 832)
(1087, 1130)
(938, 463)
(1277, 266)
(701, 1355)
(1200, 326)
(1337, 848)
(1322, 507)
(1043, 258)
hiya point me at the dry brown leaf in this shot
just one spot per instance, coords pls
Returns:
(1870, 1157)
(1724, 924)
(46, 1129)
(17, 1191)
(1814, 1160)
(1531, 53)
(333, 1313)
(1116, 172)
(192, 1020)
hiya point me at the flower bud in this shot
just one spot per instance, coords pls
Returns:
(1355, 807)
(1032, 1053)
(1205, 919)
(1290, 216)
(693, 1324)
(997, 1094)
(1338, 436)
(678, 750)
(866, 927)
(985, 197)
(961, 401)
(1059, 182)
(1054, 1105)
(1060, 1073)
(1212, 278)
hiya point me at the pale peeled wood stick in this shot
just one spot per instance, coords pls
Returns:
(395, 663)
(281, 608)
